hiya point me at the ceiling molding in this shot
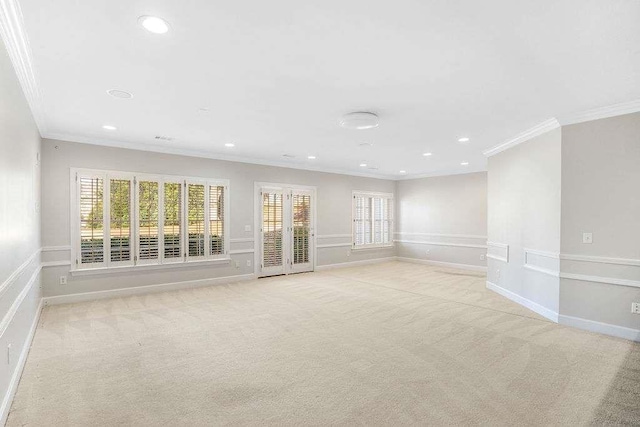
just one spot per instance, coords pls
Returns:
(207, 155)
(15, 39)
(446, 172)
(537, 130)
(601, 113)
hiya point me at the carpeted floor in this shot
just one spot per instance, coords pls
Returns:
(388, 344)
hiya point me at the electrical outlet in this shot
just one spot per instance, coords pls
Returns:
(427, 252)
(498, 273)
(247, 228)
(63, 280)
(248, 263)
(9, 354)
(483, 257)
(348, 253)
(237, 264)
(635, 307)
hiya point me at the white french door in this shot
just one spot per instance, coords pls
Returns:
(285, 225)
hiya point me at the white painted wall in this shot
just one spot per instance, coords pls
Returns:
(334, 194)
(524, 213)
(20, 292)
(601, 195)
(444, 215)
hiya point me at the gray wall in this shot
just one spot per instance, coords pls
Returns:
(20, 292)
(334, 193)
(524, 213)
(601, 195)
(443, 219)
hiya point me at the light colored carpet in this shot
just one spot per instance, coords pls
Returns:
(384, 344)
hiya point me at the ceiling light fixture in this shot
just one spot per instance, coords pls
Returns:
(109, 127)
(465, 139)
(119, 94)
(359, 120)
(153, 24)
(426, 154)
(464, 163)
(311, 157)
(363, 165)
(229, 145)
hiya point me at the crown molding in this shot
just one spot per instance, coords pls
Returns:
(537, 130)
(601, 113)
(446, 172)
(206, 155)
(15, 39)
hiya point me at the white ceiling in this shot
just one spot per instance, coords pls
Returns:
(277, 75)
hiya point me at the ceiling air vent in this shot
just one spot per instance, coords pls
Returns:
(163, 138)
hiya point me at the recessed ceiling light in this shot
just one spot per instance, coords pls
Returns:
(289, 156)
(426, 154)
(311, 157)
(119, 94)
(109, 127)
(363, 165)
(359, 120)
(465, 139)
(464, 163)
(365, 144)
(153, 24)
(229, 145)
(403, 172)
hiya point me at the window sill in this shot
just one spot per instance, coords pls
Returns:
(371, 247)
(147, 267)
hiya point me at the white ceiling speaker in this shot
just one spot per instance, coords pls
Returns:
(359, 120)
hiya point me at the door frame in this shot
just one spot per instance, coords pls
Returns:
(257, 216)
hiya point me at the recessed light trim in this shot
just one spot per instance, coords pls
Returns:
(464, 163)
(427, 154)
(359, 120)
(121, 94)
(311, 157)
(463, 139)
(109, 127)
(403, 172)
(363, 165)
(154, 24)
(229, 145)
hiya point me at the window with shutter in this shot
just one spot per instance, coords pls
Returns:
(372, 220)
(128, 220)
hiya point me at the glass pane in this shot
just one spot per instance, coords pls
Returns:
(148, 225)
(91, 220)
(196, 219)
(216, 219)
(272, 229)
(120, 219)
(301, 228)
(172, 219)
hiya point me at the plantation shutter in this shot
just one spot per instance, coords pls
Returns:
(172, 230)
(92, 221)
(120, 221)
(196, 221)
(216, 219)
(372, 220)
(148, 207)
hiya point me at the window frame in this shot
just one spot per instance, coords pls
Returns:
(136, 264)
(391, 210)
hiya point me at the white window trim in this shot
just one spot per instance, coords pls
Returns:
(106, 266)
(364, 247)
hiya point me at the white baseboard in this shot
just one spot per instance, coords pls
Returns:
(533, 306)
(137, 290)
(17, 373)
(354, 263)
(602, 328)
(471, 267)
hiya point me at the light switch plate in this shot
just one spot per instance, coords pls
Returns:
(587, 238)
(635, 307)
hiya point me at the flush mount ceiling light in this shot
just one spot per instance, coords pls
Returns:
(311, 157)
(108, 127)
(153, 24)
(464, 163)
(463, 140)
(229, 145)
(426, 154)
(359, 120)
(119, 94)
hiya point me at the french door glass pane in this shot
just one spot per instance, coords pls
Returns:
(172, 219)
(272, 229)
(148, 220)
(91, 220)
(301, 228)
(196, 219)
(120, 219)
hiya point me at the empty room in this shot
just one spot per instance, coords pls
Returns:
(319, 213)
